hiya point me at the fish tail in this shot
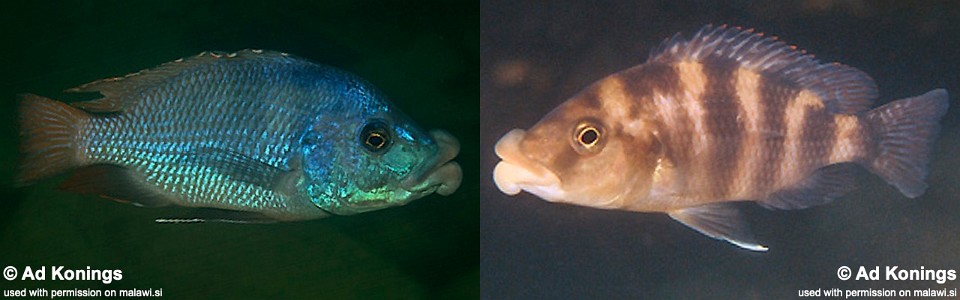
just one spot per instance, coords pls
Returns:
(904, 131)
(48, 129)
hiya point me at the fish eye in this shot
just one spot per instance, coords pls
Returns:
(588, 137)
(375, 136)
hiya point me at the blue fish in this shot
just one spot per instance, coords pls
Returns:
(251, 136)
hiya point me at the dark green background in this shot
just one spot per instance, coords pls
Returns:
(422, 54)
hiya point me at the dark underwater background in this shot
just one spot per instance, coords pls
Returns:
(535, 54)
(422, 54)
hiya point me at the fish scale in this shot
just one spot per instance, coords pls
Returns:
(125, 147)
(259, 135)
(725, 116)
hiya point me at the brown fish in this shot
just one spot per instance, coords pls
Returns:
(727, 115)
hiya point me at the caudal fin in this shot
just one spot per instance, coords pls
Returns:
(48, 129)
(905, 131)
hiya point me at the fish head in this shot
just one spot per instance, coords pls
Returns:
(376, 161)
(580, 154)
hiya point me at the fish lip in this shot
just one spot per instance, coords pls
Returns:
(440, 174)
(516, 172)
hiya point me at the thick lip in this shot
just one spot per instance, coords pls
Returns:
(516, 172)
(440, 174)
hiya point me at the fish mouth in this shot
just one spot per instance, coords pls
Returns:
(516, 172)
(440, 174)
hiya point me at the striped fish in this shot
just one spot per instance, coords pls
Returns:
(728, 115)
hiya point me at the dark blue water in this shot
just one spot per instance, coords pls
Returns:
(535, 55)
(423, 55)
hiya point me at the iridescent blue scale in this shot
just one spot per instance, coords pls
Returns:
(254, 131)
(151, 139)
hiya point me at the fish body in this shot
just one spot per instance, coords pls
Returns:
(250, 136)
(728, 115)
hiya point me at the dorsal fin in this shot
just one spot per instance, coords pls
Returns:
(843, 89)
(117, 91)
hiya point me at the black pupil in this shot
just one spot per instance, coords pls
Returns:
(375, 136)
(589, 136)
(375, 140)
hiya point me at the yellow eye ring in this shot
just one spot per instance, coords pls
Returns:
(588, 137)
(375, 136)
(376, 140)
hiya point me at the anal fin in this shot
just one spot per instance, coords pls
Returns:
(721, 221)
(823, 186)
(115, 183)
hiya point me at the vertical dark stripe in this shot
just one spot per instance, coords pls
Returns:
(774, 97)
(563, 158)
(721, 106)
(641, 82)
(589, 97)
(678, 131)
(818, 139)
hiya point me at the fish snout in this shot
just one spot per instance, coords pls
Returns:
(446, 178)
(441, 174)
(516, 172)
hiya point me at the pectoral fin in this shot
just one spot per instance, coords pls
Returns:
(243, 168)
(720, 221)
